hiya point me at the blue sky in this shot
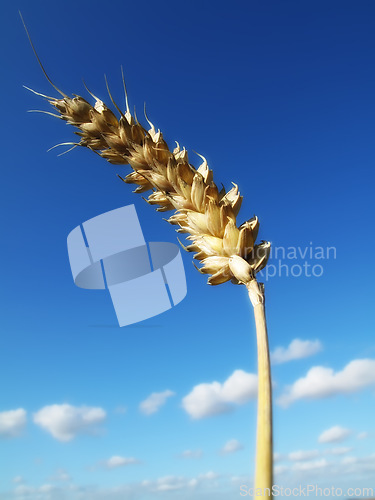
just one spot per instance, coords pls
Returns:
(279, 97)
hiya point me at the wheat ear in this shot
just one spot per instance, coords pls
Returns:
(226, 252)
(207, 214)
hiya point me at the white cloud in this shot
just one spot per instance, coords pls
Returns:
(193, 482)
(120, 410)
(191, 454)
(205, 400)
(154, 402)
(321, 382)
(169, 483)
(337, 469)
(240, 387)
(363, 435)
(337, 473)
(47, 488)
(60, 475)
(280, 469)
(214, 398)
(209, 476)
(40, 492)
(12, 422)
(311, 465)
(117, 461)
(231, 446)
(297, 349)
(362, 464)
(175, 483)
(239, 480)
(300, 467)
(64, 421)
(334, 434)
(18, 479)
(23, 489)
(300, 455)
(340, 450)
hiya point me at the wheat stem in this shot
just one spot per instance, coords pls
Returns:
(264, 453)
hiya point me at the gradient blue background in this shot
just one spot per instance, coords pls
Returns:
(279, 97)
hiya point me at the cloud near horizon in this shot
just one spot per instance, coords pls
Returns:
(334, 434)
(297, 349)
(12, 422)
(118, 461)
(302, 455)
(155, 401)
(64, 421)
(191, 454)
(208, 399)
(231, 446)
(322, 382)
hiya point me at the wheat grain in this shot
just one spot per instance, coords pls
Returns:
(226, 252)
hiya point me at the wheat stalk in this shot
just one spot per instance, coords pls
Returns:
(226, 251)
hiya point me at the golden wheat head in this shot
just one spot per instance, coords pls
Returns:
(225, 250)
